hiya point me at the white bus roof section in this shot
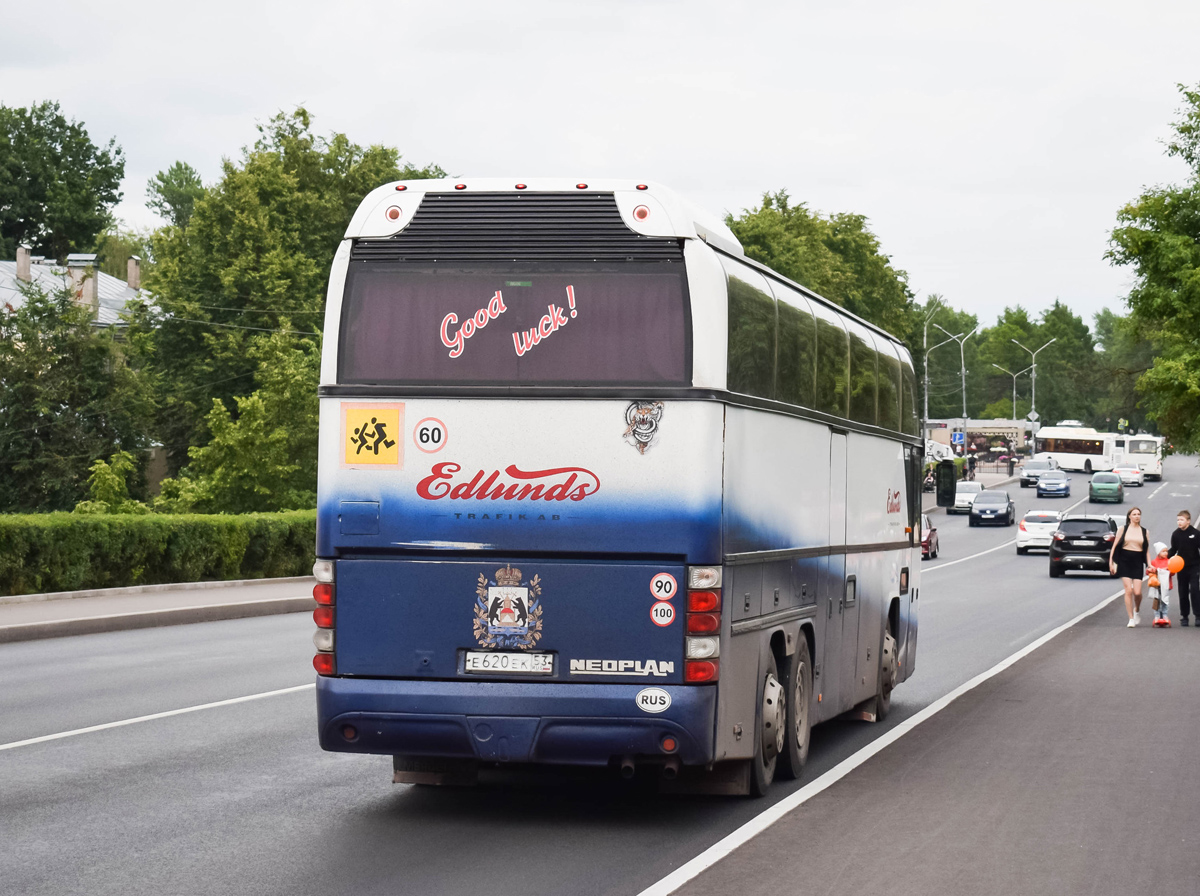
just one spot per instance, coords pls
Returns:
(670, 215)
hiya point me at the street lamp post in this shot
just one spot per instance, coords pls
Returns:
(1033, 376)
(962, 359)
(1014, 376)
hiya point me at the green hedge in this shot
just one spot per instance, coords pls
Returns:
(70, 551)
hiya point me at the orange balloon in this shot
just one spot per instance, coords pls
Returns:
(1175, 564)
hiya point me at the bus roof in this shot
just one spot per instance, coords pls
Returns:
(670, 216)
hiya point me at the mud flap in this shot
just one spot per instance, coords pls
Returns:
(443, 772)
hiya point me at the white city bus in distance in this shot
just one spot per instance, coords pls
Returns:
(1146, 451)
(597, 489)
(1078, 448)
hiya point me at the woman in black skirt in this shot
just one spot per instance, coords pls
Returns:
(1129, 557)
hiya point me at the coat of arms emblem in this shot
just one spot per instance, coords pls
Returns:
(508, 610)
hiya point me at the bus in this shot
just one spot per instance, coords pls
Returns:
(1146, 451)
(596, 489)
(1078, 448)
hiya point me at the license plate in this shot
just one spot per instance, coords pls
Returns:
(1086, 542)
(496, 662)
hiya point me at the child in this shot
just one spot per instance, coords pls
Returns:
(1159, 596)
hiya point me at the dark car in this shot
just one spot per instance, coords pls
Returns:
(1054, 484)
(993, 506)
(929, 538)
(1032, 470)
(1082, 542)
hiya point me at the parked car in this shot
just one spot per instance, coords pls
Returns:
(964, 494)
(1082, 542)
(1031, 470)
(1036, 529)
(929, 538)
(993, 506)
(1106, 487)
(1054, 483)
(1130, 474)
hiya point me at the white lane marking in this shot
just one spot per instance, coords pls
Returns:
(150, 718)
(768, 817)
(926, 572)
(1156, 491)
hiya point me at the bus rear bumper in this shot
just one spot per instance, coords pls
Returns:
(539, 722)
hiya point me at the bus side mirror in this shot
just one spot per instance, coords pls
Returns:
(947, 483)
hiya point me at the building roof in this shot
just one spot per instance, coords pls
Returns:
(114, 293)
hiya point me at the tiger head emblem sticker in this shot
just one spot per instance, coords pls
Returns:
(641, 423)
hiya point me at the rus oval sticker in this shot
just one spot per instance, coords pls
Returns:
(652, 700)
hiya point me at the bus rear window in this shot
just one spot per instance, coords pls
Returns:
(521, 324)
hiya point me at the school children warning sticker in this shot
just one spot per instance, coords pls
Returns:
(371, 435)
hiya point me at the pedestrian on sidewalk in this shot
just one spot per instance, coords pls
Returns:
(1129, 557)
(1185, 543)
(1159, 596)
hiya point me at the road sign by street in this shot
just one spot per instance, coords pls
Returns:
(1033, 415)
(957, 438)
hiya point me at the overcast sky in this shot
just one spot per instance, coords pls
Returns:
(990, 149)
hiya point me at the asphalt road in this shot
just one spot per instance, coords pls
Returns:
(239, 799)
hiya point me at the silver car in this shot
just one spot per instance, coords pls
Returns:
(964, 497)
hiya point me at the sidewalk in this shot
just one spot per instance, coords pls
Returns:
(27, 617)
(1068, 772)
(988, 480)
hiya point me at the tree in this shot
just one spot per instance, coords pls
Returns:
(108, 487)
(173, 193)
(255, 252)
(1127, 354)
(117, 245)
(57, 187)
(836, 257)
(1158, 236)
(69, 394)
(266, 458)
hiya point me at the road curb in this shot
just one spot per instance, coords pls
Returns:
(90, 625)
(149, 589)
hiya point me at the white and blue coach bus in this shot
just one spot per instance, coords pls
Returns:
(596, 489)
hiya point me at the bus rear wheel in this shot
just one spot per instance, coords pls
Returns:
(769, 730)
(887, 675)
(798, 685)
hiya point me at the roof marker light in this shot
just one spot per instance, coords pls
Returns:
(520, 186)
(642, 187)
(393, 213)
(460, 186)
(581, 186)
(400, 188)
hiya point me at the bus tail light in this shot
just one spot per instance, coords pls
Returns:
(325, 594)
(703, 619)
(698, 671)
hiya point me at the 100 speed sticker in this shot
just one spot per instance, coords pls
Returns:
(662, 614)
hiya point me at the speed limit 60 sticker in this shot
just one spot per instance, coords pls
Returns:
(429, 435)
(663, 586)
(662, 614)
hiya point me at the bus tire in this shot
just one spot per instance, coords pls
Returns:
(887, 675)
(798, 686)
(769, 729)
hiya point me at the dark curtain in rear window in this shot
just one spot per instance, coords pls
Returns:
(516, 324)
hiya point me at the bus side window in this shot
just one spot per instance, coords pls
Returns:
(889, 384)
(863, 374)
(910, 423)
(833, 362)
(752, 328)
(796, 377)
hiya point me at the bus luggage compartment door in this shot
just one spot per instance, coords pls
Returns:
(528, 620)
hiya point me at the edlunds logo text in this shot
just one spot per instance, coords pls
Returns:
(557, 484)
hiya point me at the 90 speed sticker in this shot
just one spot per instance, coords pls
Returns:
(663, 586)
(662, 614)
